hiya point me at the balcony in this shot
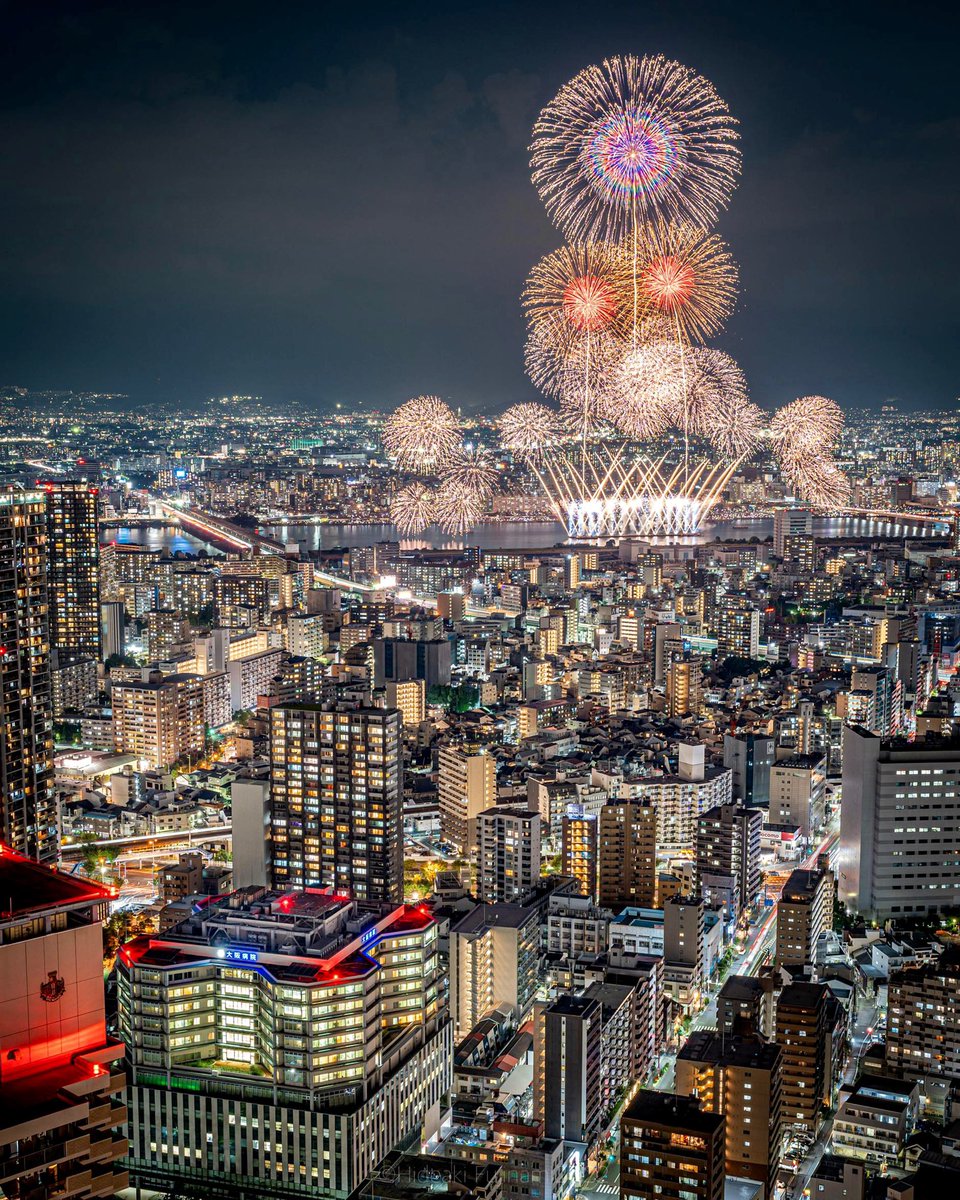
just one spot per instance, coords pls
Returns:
(20, 1164)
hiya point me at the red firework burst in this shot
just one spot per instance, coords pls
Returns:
(589, 303)
(668, 282)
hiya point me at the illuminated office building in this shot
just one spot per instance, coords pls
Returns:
(280, 1044)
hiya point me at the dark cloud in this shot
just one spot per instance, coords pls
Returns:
(334, 205)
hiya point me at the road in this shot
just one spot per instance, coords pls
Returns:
(148, 842)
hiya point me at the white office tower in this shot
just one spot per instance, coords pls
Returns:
(899, 825)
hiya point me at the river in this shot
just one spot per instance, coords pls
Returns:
(504, 535)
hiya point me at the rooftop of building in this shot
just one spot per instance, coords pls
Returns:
(741, 987)
(610, 996)
(832, 1167)
(311, 938)
(802, 885)
(30, 887)
(574, 1006)
(682, 1113)
(411, 1176)
(708, 1046)
(800, 994)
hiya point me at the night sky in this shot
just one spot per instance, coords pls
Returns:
(331, 202)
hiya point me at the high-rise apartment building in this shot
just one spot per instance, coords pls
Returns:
(160, 719)
(73, 568)
(410, 697)
(671, 1146)
(683, 948)
(336, 799)
(806, 1032)
(579, 850)
(280, 1044)
(923, 1019)
(804, 912)
(627, 855)
(508, 852)
(494, 959)
(798, 792)
(467, 784)
(684, 691)
(899, 825)
(28, 814)
(60, 1089)
(728, 856)
(567, 1068)
(306, 635)
(737, 627)
(741, 1079)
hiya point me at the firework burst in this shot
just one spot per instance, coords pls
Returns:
(457, 509)
(422, 434)
(683, 276)
(817, 479)
(718, 407)
(646, 389)
(804, 433)
(472, 472)
(412, 508)
(586, 377)
(811, 424)
(574, 293)
(631, 140)
(528, 431)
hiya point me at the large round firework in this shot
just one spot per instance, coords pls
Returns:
(633, 139)
(682, 275)
(646, 388)
(811, 424)
(412, 508)
(457, 509)
(528, 431)
(717, 406)
(422, 434)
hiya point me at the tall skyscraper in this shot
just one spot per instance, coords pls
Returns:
(335, 804)
(566, 1067)
(579, 850)
(728, 856)
(805, 912)
(899, 825)
(740, 1078)
(73, 569)
(508, 852)
(750, 757)
(467, 783)
(160, 719)
(28, 814)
